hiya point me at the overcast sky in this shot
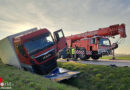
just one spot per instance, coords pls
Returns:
(73, 16)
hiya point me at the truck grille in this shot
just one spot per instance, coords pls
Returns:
(46, 56)
(48, 66)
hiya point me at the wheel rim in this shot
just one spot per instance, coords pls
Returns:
(82, 56)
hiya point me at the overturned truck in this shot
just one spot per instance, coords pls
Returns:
(36, 51)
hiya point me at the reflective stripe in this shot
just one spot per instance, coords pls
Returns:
(82, 52)
(73, 51)
(79, 52)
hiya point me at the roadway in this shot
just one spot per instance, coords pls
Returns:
(120, 63)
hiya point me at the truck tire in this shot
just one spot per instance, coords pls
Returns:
(82, 56)
(95, 57)
(87, 57)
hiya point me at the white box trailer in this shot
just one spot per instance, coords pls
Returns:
(7, 51)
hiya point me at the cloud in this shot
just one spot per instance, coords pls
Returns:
(75, 16)
(14, 13)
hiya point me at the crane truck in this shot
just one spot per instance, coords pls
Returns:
(36, 51)
(95, 43)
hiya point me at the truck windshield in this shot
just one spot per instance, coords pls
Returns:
(39, 43)
(104, 42)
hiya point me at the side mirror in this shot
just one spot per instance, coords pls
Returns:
(114, 46)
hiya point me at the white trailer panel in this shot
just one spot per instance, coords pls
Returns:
(7, 51)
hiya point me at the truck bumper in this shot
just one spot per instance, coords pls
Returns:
(104, 52)
(60, 74)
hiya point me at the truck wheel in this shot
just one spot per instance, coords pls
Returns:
(82, 56)
(87, 57)
(95, 57)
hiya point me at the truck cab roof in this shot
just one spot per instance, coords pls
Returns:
(25, 37)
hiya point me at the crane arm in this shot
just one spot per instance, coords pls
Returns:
(108, 31)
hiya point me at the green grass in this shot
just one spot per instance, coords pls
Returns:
(96, 77)
(118, 57)
(22, 80)
(92, 77)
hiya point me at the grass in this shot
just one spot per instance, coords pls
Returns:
(23, 80)
(92, 77)
(96, 77)
(117, 57)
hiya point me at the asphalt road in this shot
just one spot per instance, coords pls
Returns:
(120, 63)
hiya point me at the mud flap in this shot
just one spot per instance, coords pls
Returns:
(60, 74)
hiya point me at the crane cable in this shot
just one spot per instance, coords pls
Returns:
(120, 41)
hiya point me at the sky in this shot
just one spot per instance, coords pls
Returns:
(73, 16)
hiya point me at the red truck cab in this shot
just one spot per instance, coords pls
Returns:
(37, 50)
(100, 46)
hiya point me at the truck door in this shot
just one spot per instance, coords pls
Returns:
(93, 43)
(60, 39)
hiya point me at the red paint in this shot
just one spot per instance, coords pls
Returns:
(1, 80)
(23, 38)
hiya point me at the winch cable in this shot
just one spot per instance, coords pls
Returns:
(120, 40)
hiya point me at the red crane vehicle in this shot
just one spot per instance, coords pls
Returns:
(96, 43)
(35, 51)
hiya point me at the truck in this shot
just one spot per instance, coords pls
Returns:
(36, 50)
(95, 44)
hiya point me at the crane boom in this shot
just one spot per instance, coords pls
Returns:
(107, 32)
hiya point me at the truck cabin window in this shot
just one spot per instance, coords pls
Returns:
(59, 35)
(93, 41)
(104, 42)
(39, 43)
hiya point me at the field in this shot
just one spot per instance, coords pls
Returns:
(96, 77)
(92, 77)
(22, 80)
(117, 57)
